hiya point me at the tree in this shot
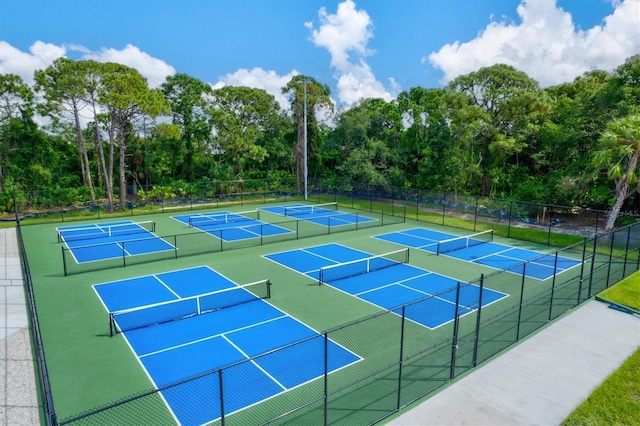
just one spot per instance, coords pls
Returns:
(240, 117)
(16, 110)
(427, 152)
(63, 85)
(16, 98)
(317, 96)
(502, 103)
(620, 152)
(127, 98)
(187, 97)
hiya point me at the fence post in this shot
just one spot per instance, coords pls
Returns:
(611, 235)
(593, 261)
(584, 254)
(398, 404)
(454, 340)
(475, 215)
(510, 213)
(326, 379)
(221, 385)
(444, 202)
(476, 339)
(524, 275)
(626, 253)
(553, 286)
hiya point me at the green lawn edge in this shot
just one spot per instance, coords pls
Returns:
(617, 400)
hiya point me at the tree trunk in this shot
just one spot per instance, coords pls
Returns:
(123, 134)
(622, 189)
(84, 157)
(109, 173)
(615, 210)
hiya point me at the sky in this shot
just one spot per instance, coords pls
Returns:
(359, 48)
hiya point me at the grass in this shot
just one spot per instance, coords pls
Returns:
(617, 400)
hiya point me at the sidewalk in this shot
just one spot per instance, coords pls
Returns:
(18, 397)
(540, 381)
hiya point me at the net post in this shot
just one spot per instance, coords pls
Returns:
(64, 262)
(111, 325)
(175, 245)
(268, 289)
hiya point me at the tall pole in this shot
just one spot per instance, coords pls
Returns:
(305, 139)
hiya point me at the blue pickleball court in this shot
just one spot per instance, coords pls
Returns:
(516, 260)
(102, 241)
(393, 285)
(320, 214)
(246, 327)
(229, 226)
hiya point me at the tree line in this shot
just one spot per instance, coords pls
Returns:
(493, 132)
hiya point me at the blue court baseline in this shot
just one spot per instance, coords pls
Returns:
(328, 218)
(539, 265)
(92, 243)
(391, 287)
(173, 351)
(242, 229)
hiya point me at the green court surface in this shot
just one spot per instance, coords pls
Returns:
(88, 368)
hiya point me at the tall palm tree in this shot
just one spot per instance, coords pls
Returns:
(620, 153)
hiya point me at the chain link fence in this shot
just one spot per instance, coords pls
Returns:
(401, 360)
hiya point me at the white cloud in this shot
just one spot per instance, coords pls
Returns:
(153, 69)
(546, 44)
(41, 55)
(346, 35)
(24, 64)
(258, 78)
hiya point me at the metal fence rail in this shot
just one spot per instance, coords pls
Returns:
(47, 411)
(402, 363)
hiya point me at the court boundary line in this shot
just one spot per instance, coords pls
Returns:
(253, 361)
(509, 248)
(160, 390)
(392, 310)
(259, 223)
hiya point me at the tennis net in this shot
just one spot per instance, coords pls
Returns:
(312, 209)
(213, 219)
(362, 266)
(105, 231)
(453, 244)
(173, 310)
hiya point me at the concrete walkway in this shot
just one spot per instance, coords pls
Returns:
(18, 397)
(542, 380)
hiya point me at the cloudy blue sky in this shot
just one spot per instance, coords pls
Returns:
(361, 49)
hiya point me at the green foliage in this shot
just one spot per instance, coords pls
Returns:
(491, 132)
